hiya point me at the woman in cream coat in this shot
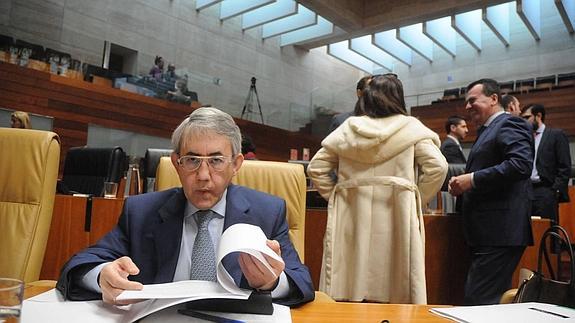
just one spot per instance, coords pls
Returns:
(388, 165)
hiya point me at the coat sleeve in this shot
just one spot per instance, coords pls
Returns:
(432, 168)
(322, 170)
(514, 143)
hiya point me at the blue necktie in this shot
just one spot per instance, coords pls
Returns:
(203, 253)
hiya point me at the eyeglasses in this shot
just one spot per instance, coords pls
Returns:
(193, 163)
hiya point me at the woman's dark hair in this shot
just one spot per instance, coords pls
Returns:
(382, 97)
(361, 85)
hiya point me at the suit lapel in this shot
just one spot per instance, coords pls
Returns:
(542, 143)
(481, 137)
(168, 236)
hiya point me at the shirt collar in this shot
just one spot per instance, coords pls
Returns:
(455, 139)
(493, 116)
(219, 208)
(540, 129)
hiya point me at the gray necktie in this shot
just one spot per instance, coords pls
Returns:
(203, 253)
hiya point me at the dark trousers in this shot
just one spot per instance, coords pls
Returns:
(490, 273)
(544, 202)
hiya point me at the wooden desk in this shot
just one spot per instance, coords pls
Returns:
(323, 311)
(69, 232)
(363, 312)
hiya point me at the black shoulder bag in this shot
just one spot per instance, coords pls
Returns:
(548, 290)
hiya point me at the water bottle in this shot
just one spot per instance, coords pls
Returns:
(134, 180)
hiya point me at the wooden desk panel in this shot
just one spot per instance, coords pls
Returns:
(67, 231)
(567, 214)
(446, 254)
(67, 235)
(105, 215)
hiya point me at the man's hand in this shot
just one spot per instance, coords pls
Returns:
(257, 274)
(460, 184)
(114, 280)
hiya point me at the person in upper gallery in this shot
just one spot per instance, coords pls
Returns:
(456, 129)
(339, 118)
(551, 167)
(158, 69)
(496, 194)
(20, 119)
(157, 239)
(511, 104)
(388, 164)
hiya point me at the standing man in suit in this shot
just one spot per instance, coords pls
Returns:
(158, 239)
(551, 167)
(339, 118)
(495, 189)
(456, 129)
(511, 104)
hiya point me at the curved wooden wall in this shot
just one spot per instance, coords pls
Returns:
(75, 103)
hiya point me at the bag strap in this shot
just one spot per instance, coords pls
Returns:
(562, 237)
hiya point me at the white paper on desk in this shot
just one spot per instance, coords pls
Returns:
(247, 238)
(504, 313)
(51, 307)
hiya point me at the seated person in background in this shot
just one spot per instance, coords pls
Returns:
(20, 119)
(171, 72)
(156, 241)
(456, 129)
(179, 95)
(158, 69)
(510, 104)
(248, 148)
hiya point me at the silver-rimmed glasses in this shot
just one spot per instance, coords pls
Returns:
(191, 163)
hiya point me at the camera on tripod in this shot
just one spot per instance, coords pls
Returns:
(248, 105)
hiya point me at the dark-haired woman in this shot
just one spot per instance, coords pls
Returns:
(388, 165)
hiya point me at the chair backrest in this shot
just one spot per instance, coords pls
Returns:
(86, 168)
(149, 164)
(28, 173)
(285, 180)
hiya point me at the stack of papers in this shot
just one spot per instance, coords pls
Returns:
(504, 313)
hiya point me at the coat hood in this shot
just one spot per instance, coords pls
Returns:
(374, 140)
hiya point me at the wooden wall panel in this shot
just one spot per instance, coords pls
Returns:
(74, 104)
(559, 108)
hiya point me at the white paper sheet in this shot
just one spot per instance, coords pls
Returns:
(51, 307)
(504, 313)
(245, 238)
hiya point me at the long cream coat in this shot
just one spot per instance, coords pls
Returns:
(374, 245)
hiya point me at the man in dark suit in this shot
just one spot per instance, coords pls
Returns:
(161, 235)
(456, 129)
(496, 194)
(552, 165)
(339, 118)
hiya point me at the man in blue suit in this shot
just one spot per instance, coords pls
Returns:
(496, 194)
(160, 236)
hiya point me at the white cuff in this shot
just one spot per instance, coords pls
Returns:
(90, 279)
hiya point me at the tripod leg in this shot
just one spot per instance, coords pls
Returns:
(248, 101)
(259, 105)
